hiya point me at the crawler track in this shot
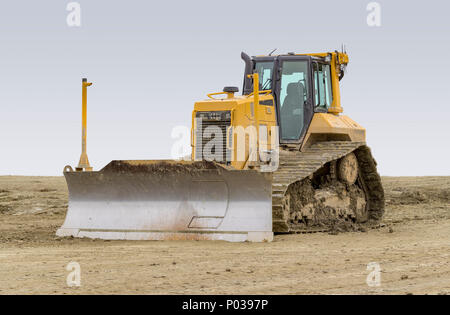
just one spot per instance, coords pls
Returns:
(296, 166)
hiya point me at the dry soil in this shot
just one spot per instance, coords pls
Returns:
(412, 249)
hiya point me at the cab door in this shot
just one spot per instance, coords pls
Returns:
(293, 97)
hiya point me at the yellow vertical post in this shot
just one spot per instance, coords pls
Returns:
(84, 165)
(336, 60)
(255, 77)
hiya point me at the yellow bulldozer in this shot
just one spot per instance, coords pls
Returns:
(280, 158)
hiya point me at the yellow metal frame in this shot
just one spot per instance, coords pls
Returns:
(247, 110)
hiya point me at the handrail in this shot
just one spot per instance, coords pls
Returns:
(229, 95)
(210, 95)
(261, 92)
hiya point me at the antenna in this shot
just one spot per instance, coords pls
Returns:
(270, 54)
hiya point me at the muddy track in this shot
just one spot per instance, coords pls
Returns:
(296, 166)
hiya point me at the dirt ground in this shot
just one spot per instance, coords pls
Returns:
(412, 249)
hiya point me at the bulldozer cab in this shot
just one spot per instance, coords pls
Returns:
(300, 85)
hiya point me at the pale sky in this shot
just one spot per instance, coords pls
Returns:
(150, 61)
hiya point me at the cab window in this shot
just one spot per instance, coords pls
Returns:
(264, 69)
(293, 94)
(322, 85)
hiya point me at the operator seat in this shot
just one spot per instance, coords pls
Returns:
(292, 111)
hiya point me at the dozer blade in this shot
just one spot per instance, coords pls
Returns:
(161, 200)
